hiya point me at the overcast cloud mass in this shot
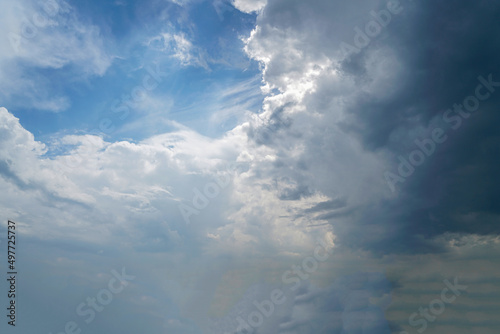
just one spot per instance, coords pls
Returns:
(251, 166)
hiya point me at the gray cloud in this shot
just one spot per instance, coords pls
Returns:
(394, 91)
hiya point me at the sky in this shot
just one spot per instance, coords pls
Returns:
(250, 166)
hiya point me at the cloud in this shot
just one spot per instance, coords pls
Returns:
(249, 6)
(307, 147)
(46, 35)
(309, 164)
(336, 123)
(177, 46)
(91, 175)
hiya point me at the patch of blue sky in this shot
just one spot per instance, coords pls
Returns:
(208, 82)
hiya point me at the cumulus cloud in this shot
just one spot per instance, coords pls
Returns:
(119, 184)
(93, 172)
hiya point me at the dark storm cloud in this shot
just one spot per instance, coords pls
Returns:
(428, 58)
(444, 50)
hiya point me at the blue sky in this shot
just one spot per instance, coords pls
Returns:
(251, 166)
(132, 38)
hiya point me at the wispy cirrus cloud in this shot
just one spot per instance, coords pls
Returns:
(177, 46)
(41, 36)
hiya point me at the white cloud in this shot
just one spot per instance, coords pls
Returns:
(249, 6)
(179, 47)
(132, 181)
(121, 179)
(45, 35)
